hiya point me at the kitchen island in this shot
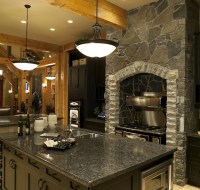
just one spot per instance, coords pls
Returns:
(102, 161)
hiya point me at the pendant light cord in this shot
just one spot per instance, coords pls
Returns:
(97, 11)
(27, 7)
(97, 26)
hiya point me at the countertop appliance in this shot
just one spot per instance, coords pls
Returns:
(75, 113)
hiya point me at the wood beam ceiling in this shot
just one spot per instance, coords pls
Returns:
(10, 66)
(107, 12)
(32, 44)
(47, 62)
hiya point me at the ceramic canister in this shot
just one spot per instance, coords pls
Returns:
(45, 121)
(52, 120)
(39, 125)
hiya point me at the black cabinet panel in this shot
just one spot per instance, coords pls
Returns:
(194, 173)
(87, 82)
(193, 160)
(73, 77)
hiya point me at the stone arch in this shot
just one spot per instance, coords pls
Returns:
(113, 87)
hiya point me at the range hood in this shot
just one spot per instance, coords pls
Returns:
(147, 100)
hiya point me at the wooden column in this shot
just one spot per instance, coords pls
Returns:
(21, 89)
(61, 84)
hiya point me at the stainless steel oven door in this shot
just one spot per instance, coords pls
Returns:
(158, 177)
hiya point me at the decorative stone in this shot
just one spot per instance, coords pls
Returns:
(142, 33)
(180, 12)
(164, 17)
(169, 27)
(130, 37)
(154, 32)
(179, 34)
(173, 48)
(137, 52)
(161, 6)
(151, 14)
(152, 46)
(160, 55)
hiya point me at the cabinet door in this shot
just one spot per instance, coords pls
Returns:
(81, 76)
(193, 172)
(36, 181)
(20, 171)
(73, 77)
(9, 169)
(13, 171)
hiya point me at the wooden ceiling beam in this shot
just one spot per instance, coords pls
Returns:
(10, 66)
(46, 62)
(107, 12)
(32, 44)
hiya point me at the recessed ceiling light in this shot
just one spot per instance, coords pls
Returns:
(49, 56)
(23, 21)
(70, 21)
(52, 29)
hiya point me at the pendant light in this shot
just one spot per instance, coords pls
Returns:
(26, 63)
(50, 75)
(96, 47)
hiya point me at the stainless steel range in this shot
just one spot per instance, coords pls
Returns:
(149, 117)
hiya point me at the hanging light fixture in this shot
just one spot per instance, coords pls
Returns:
(96, 47)
(26, 63)
(50, 75)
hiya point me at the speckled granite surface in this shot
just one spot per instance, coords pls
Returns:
(92, 161)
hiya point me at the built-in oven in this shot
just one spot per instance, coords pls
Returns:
(75, 113)
(158, 177)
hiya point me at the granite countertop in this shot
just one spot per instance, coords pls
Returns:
(91, 161)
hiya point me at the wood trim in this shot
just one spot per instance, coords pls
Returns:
(47, 62)
(10, 66)
(32, 44)
(61, 84)
(107, 12)
(68, 47)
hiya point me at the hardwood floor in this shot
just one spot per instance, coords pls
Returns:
(186, 187)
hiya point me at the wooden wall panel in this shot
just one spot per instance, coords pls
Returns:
(1, 93)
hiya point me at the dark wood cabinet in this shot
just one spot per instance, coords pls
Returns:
(95, 124)
(87, 83)
(193, 160)
(197, 69)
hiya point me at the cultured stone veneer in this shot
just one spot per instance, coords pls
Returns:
(158, 40)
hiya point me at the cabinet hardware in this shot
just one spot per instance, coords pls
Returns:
(53, 175)
(42, 184)
(34, 164)
(74, 186)
(12, 164)
(19, 155)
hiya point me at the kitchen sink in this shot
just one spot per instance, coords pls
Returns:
(89, 135)
(82, 134)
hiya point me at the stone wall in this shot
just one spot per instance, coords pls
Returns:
(158, 41)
